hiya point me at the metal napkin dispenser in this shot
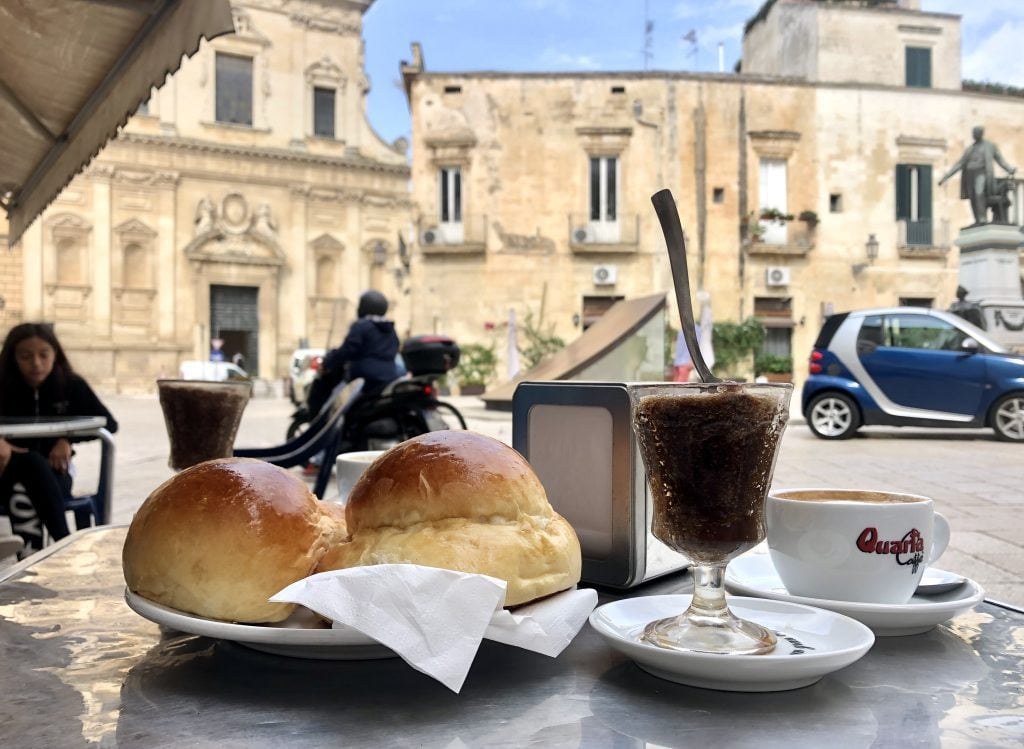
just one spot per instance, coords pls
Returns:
(578, 437)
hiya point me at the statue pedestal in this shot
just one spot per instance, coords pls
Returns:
(990, 271)
(990, 262)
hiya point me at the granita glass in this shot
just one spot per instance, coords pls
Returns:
(710, 452)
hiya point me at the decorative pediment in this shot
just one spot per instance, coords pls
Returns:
(68, 221)
(325, 70)
(134, 228)
(241, 249)
(326, 243)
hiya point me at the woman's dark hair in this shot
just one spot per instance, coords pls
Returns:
(9, 372)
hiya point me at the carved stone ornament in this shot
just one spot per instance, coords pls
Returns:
(325, 70)
(235, 234)
(234, 214)
(133, 228)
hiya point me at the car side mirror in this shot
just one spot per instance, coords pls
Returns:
(970, 346)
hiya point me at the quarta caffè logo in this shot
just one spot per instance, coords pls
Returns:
(908, 550)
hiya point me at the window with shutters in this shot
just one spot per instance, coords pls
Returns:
(919, 67)
(772, 196)
(604, 198)
(449, 203)
(914, 202)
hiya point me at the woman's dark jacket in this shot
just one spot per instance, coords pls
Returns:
(57, 396)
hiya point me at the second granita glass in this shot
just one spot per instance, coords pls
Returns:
(710, 452)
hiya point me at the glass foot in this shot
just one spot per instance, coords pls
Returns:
(694, 633)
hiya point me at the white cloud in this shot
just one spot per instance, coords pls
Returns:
(976, 14)
(698, 9)
(562, 60)
(997, 56)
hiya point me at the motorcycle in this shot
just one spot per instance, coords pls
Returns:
(406, 407)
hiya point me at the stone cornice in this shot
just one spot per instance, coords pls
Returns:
(279, 154)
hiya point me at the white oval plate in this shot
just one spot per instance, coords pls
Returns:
(812, 643)
(754, 575)
(296, 637)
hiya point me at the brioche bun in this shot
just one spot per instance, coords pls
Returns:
(461, 501)
(221, 537)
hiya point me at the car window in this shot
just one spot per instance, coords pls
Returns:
(921, 332)
(871, 330)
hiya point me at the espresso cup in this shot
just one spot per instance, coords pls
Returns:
(852, 545)
(350, 467)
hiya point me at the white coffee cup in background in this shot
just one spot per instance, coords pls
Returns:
(350, 467)
(853, 545)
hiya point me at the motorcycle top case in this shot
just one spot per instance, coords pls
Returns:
(430, 354)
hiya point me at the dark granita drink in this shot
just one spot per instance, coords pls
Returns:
(710, 452)
(202, 418)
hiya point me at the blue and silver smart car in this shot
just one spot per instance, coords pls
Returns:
(909, 366)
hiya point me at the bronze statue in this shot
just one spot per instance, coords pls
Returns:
(978, 182)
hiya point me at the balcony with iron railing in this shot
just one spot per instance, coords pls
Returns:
(922, 238)
(604, 237)
(791, 238)
(465, 237)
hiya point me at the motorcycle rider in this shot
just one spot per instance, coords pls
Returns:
(369, 351)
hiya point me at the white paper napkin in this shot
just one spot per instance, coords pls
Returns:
(434, 619)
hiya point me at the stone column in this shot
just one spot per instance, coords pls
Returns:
(298, 275)
(100, 177)
(167, 226)
(32, 263)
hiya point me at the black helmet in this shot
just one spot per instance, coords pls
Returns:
(372, 303)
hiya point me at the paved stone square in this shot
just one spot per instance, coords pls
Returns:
(976, 481)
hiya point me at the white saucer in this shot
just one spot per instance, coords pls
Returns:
(754, 575)
(299, 636)
(812, 643)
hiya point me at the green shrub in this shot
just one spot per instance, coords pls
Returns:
(773, 364)
(477, 364)
(734, 342)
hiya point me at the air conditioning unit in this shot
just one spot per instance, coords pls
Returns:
(430, 236)
(605, 275)
(582, 235)
(776, 276)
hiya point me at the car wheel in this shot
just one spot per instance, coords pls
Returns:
(1008, 417)
(833, 416)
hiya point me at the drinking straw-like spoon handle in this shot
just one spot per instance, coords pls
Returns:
(668, 216)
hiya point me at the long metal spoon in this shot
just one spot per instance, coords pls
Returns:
(668, 215)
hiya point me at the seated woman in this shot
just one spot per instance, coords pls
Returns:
(37, 380)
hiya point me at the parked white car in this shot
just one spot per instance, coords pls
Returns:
(305, 366)
(218, 371)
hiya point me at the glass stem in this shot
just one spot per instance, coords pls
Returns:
(708, 591)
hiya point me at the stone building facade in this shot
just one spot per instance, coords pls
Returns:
(533, 189)
(247, 201)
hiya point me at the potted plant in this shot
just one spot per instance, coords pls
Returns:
(810, 218)
(774, 214)
(774, 368)
(477, 365)
(755, 229)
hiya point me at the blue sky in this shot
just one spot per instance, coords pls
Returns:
(608, 35)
